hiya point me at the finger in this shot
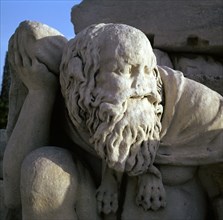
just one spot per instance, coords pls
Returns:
(139, 199)
(158, 193)
(23, 44)
(141, 190)
(106, 208)
(155, 203)
(162, 197)
(163, 202)
(99, 205)
(18, 58)
(114, 204)
(14, 56)
(147, 203)
(99, 196)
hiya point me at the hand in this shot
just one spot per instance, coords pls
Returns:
(33, 74)
(36, 58)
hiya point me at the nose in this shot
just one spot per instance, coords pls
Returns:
(140, 84)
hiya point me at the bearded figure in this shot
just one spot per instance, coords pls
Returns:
(113, 94)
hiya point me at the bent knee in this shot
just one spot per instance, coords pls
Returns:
(48, 179)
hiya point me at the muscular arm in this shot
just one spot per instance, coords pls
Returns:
(31, 131)
(35, 52)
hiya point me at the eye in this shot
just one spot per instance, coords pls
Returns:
(126, 71)
(133, 69)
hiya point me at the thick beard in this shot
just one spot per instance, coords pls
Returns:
(127, 136)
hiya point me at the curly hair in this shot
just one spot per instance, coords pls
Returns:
(80, 65)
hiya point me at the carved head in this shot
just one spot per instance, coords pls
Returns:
(112, 89)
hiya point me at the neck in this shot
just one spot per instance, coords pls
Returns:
(79, 136)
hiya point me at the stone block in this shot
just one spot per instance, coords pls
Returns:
(191, 26)
(162, 58)
(203, 69)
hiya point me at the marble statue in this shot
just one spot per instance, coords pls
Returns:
(144, 141)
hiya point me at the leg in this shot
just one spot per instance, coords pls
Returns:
(50, 186)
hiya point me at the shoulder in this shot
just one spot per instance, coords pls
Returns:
(190, 107)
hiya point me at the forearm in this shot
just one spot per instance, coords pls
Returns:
(31, 131)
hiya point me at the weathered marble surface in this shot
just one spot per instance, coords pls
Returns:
(186, 26)
(115, 97)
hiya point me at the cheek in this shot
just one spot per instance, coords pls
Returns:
(123, 86)
(114, 86)
(151, 82)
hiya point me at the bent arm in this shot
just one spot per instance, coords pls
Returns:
(31, 131)
(35, 52)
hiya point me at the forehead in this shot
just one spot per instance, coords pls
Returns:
(131, 50)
